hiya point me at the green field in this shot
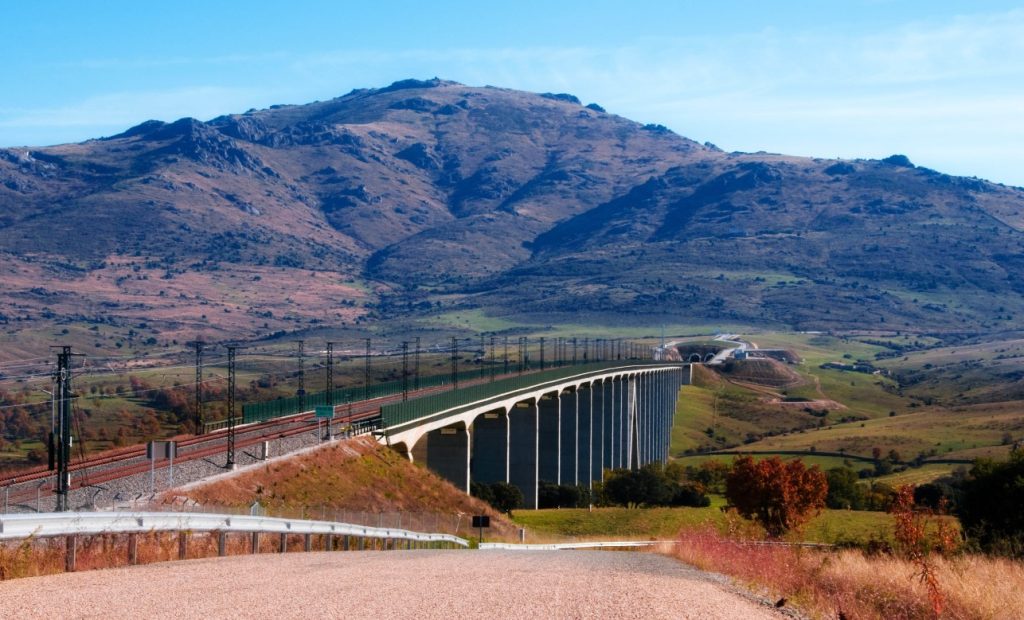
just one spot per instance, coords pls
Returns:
(832, 526)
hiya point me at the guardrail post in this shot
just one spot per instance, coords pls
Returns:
(255, 542)
(362, 543)
(222, 544)
(309, 542)
(329, 542)
(133, 549)
(283, 546)
(182, 545)
(71, 550)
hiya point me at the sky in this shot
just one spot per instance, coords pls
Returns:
(941, 82)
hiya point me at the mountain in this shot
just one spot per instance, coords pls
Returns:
(425, 196)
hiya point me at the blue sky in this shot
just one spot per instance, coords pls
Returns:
(942, 82)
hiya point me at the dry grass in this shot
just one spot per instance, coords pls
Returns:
(357, 475)
(861, 586)
(34, 557)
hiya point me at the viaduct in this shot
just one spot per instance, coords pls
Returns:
(564, 426)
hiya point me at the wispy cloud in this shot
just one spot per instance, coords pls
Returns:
(114, 112)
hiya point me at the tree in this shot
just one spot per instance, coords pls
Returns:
(843, 490)
(992, 506)
(507, 497)
(648, 486)
(779, 495)
(482, 491)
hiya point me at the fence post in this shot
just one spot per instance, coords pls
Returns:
(133, 549)
(71, 550)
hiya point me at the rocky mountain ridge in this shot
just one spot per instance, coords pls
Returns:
(388, 203)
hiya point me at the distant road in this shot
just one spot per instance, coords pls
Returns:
(396, 584)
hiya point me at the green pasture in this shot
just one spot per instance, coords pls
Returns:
(832, 526)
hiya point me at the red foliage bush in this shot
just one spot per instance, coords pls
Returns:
(780, 495)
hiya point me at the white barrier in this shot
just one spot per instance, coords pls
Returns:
(21, 526)
(577, 545)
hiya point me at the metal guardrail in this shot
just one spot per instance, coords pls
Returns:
(449, 402)
(613, 544)
(22, 526)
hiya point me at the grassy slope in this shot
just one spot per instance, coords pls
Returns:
(832, 526)
(355, 475)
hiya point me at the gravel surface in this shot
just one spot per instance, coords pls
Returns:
(380, 585)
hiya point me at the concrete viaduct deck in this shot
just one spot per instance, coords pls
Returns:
(565, 426)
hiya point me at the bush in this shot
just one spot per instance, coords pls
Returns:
(843, 490)
(651, 485)
(507, 497)
(482, 491)
(992, 507)
(779, 495)
(551, 495)
(690, 494)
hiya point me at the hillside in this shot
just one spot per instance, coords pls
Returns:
(390, 204)
(356, 476)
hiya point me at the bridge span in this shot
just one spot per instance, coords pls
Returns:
(564, 426)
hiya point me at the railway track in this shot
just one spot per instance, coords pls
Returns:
(30, 484)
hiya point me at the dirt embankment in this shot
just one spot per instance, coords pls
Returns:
(767, 372)
(353, 475)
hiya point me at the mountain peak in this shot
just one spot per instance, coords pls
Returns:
(430, 191)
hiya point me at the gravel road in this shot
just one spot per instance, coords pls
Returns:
(381, 585)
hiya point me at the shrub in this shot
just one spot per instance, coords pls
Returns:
(551, 495)
(507, 497)
(779, 495)
(992, 506)
(843, 489)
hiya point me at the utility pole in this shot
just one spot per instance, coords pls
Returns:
(542, 352)
(366, 372)
(492, 359)
(405, 370)
(330, 373)
(505, 339)
(230, 461)
(574, 350)
(483, 355)
(416, 366)
(586, 348)
(455, 363)
(198, 418)
(63, 396)
(301, 393)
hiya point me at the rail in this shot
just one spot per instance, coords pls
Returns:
(453, 401)
(291, 405)
(45, 525)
